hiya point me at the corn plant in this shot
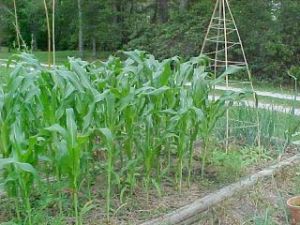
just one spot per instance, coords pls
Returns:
(70, 144)
(138, 114)
(212, 110)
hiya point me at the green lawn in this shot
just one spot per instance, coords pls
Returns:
(61, 56)
(268, 100)
(266, 86)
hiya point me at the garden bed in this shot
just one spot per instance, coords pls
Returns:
(138, 211)
(116, 142)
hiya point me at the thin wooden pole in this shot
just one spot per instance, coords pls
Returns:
(226, 67)
(17, 25)
(49, 33)
(249, 74)
(217, 47)
(222, 38)
(209, 27)
(80, 37)
(53, 32)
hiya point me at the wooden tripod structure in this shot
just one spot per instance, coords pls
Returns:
(223, 46)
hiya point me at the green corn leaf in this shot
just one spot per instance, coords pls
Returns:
(199, 113)
(26, 167)
(71, 127)
(57, 128)
(86, 208)
(81, 73)
(6, 161)
(158, 91)
(68, 77)
(136, 55)
(232, 70)
(107, 133)
(98, 97)
(87, 119)
(165, 74)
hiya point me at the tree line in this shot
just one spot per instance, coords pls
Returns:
(165, 28)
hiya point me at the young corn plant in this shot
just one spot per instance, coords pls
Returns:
(20, 145)
(18, 183)
(212, 110)
(110, 148)
(70, 144)
(138, 113)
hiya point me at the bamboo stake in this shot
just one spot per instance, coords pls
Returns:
(249, 74)
(217, 49)
(208, 30)
(53, 32)
(17, 25)
(229, 26)
(49, 33)
(226, 67)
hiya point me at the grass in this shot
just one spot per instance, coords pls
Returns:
(263, 204)
(61, 56)
(277, 88)
(265, 86)
(278, 101)
(269, 100)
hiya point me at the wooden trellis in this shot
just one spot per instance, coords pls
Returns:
(223, 46)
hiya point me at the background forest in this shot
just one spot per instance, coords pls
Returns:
(269, 28)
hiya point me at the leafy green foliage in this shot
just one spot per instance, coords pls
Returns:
(227, 165)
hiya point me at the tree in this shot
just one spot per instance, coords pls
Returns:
(17, 25)
(288, 17)
(161, 13)
(183, 4)
(256, 26)
(80, 37)
(48, 31)
(53, 31)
